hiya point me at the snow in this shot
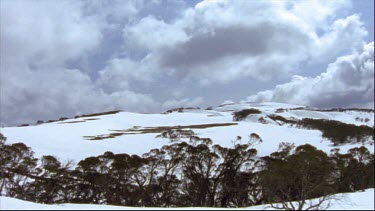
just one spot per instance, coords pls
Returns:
(345, 201)
(66, 140)
(348, 201)
(348, 117)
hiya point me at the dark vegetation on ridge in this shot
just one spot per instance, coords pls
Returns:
(78, 116)
(337, 132)
(98, 114)
(197, 173)
(240, 115)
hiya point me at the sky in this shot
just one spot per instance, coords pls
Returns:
(64, 58)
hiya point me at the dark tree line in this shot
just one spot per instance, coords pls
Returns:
(339, 132)
(197, 173)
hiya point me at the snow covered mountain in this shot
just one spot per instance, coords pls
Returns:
(135, 133)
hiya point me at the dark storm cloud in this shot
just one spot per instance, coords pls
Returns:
(221, 42)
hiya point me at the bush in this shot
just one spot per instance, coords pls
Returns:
(281, 119)
(98, 114)
(280, 110)
(24, 125)
(338, 132)
(240, 115)
(39, 122)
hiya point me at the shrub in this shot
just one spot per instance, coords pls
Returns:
(338, 132)
(280, 110)
(281, 119)
(240, 115)
(98, 114)
(175, 134)
(39, 122)
(24, 125)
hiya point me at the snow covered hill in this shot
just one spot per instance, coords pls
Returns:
(269, 124)
(134, 133)
(348, 201)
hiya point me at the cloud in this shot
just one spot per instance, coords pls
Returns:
(118, 74)
(69, 57)
(46, 34)
(348, 82)
(38, 40)
(26, 96)
(242, 42)
(344, 34)
(186, 102)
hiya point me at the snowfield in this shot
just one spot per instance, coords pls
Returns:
(68, 140)
(133, 133)
(349, 201)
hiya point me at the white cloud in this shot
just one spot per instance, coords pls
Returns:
(28, 95)
(38, 39)
(119, 72)
(46, 33)
(348, 82)
(344, 35)
(260, 40)
(186, 102)
(45, 46)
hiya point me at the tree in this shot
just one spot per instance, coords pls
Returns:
(51, 185)
(236, 175)
(200, 175)
(17, 164)
(354, 170)
(288, 181)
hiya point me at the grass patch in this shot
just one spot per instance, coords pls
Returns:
(71, 122)
(78, 121)
(160, 129)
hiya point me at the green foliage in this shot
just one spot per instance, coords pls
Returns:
(240, 115)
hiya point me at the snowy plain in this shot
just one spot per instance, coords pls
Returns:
(66, 139)
(348, 201)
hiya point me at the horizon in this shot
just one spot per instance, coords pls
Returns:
(65, 58)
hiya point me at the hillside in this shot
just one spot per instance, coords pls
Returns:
(135, 133)
(232, 155)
